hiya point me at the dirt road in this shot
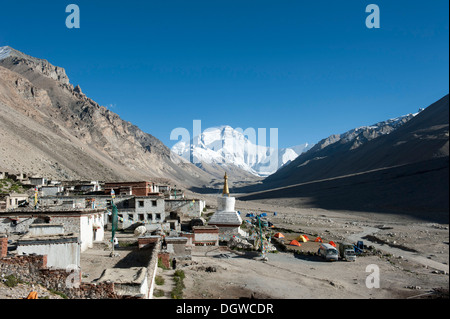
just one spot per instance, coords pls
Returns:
(413, 256)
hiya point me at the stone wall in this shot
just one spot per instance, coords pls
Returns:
(165, 258)
(148, 241)
(3, 246)
(26, 268)
(34, 269)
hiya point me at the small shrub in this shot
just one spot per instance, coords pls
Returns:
(58, 293)
(180, 273)
(177, 291)
(159, 280)
(11, 281)
(125, 244)
(158, 293)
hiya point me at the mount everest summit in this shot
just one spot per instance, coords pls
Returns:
(228, 147)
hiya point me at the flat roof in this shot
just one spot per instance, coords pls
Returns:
(49, 212)
(184, 199)
(205, 227)
(17, 195)
(44, 240)
(82, 196)
(132, 275)
(151, 195)
(176, 239)
(125, 183)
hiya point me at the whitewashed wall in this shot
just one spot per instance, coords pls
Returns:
(86, 230)
(59, 255)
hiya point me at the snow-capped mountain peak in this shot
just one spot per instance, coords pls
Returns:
(225, 145)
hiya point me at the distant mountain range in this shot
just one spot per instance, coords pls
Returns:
(232, 149)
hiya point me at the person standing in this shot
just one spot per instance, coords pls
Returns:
(174, 263)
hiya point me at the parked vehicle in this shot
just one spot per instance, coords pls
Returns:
(328, 252)
(347, 251)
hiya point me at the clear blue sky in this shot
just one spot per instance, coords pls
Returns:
(308, 68)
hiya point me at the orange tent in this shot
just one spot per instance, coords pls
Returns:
(33, 295)
(278, 235)
(332, 243)
(295, 243)
(306, 237)
(318, 240)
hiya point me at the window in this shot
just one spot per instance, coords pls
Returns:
(141, 203)
(141, 217)
(154, 203)
(158, 216)
(149, 217)
(130, 217)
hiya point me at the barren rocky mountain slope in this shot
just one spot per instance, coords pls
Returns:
(51, 128)
(412, 139)
(404, 172)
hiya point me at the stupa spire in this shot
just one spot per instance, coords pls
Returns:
(226, 191)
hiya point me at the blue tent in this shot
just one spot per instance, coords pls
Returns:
(275, 214)
(249, 215)
(263, 215)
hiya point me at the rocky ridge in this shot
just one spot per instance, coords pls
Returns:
(49, 127)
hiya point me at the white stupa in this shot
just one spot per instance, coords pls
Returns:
(226, 218)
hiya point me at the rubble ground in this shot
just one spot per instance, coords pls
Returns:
(412, 257)
(22, 290)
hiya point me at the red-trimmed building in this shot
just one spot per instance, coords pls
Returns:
(132, 188)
